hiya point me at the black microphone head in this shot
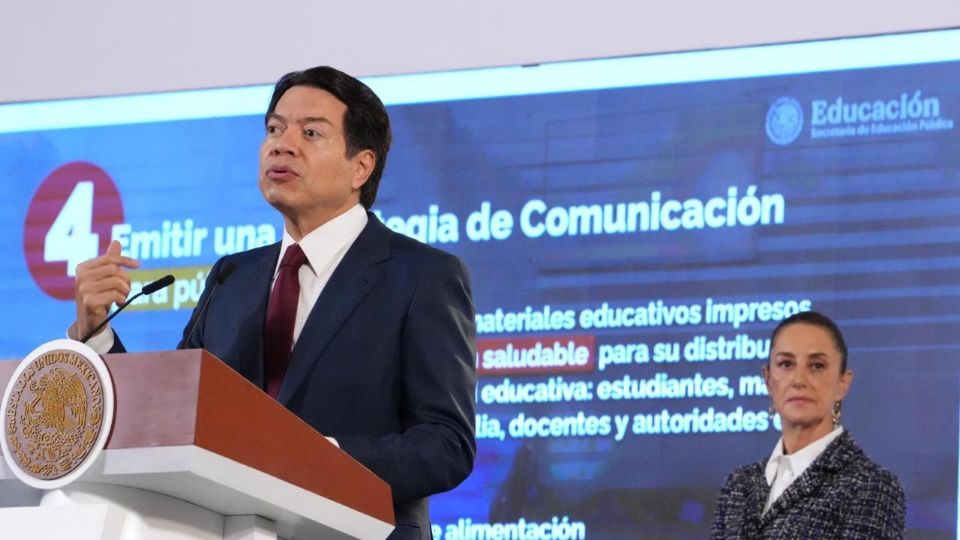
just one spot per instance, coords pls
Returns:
(151, 288)
(225, 271)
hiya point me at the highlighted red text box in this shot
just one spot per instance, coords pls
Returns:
(536, 355)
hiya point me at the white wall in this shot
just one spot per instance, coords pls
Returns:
(53, 49)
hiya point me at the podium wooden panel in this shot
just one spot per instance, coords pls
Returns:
(189, 426)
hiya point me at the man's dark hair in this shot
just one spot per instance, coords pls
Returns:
(366, 125)
(816, 319)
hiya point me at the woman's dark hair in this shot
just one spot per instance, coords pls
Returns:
(366, 125)
(816, 319)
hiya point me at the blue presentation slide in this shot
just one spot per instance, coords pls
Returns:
(634, 229)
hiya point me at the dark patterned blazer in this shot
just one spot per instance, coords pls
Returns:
(841, 495)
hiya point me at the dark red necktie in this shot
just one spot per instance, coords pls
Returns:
(281, 317)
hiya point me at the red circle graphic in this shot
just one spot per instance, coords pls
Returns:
(70, 219)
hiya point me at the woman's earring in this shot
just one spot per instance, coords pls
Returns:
(771, 410)
(836, 414)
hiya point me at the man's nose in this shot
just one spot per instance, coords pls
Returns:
(284, 144)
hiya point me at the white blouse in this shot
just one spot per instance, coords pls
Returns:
(783, 469)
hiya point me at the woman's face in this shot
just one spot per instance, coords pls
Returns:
(803, 377)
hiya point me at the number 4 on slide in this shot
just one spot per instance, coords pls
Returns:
(71, 237)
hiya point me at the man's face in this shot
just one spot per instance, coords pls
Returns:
(304, 169)
(804, 378)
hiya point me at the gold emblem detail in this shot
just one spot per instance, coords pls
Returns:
(54, 414)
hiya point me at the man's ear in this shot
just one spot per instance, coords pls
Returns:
(363, 163)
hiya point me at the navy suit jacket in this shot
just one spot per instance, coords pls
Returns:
(385, 363)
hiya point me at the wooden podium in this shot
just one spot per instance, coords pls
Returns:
(197, 451)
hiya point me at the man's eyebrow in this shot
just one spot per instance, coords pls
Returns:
(304, 120)
(315, 119)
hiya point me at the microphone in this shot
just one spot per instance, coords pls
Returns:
(225, 272)
(149, 288)
(161, 283)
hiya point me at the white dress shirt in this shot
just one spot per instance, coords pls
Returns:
(324, 247)
(783, 469)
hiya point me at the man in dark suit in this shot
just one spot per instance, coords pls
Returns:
(365, 334)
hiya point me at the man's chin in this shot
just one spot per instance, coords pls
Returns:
(280, 204)
(275, 197)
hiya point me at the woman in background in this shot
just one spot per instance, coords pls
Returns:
(817, 482)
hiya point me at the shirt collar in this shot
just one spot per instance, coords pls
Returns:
(800, 460)
(323, 243)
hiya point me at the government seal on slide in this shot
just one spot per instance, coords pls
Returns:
(57, 412)
(784, 121)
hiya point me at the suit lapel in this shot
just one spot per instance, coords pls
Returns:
(759, 493)
(804, 486)
(812, 480)
(353, 278)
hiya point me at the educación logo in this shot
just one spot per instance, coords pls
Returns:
(784, 121)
